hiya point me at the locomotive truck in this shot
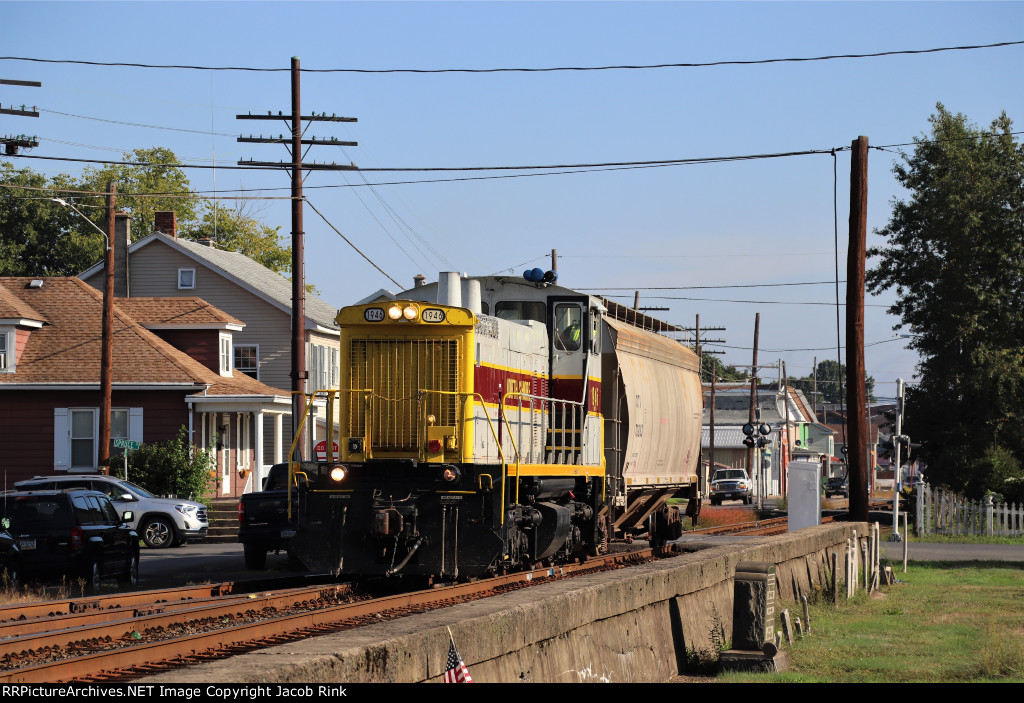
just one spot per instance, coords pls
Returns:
(496, 423)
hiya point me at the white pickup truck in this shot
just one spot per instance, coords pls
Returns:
(729, 484)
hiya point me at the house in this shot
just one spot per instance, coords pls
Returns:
(168, 372)
(792, 431)
(163, 265)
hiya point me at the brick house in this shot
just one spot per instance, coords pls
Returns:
(171, 368)
(162, 265)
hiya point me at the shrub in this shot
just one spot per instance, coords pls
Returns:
(172, 468)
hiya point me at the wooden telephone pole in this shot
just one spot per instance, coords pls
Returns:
(294, 143)
(857, 443)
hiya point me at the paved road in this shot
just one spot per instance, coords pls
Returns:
(201, 563)
(926, 551)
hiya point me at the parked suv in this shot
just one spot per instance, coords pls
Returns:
(75, 533)
(837, 485)
(730, 483)
(160, 522)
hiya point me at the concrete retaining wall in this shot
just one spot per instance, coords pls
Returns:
(630, 625)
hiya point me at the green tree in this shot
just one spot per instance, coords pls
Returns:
(831, 383)
(172, 468)
(711, 365)
(150, 174)
(954, 255)
(39, 237)
(235, 229)
(42, 238)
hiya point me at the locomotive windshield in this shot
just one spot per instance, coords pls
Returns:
(521, 310)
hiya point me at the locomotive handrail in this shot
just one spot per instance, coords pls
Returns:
(562, 403)
(501, 452)
(329, 392)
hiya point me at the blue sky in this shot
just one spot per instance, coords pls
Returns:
(763, 222)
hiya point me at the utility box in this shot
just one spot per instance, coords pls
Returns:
(804, 494)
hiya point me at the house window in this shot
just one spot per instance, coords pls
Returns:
(83, 439)
(225, 354)
(247, 359)
(186, 279)
(76, 435)
(6, 351)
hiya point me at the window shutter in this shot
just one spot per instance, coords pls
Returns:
(135, 424)
(61, 440)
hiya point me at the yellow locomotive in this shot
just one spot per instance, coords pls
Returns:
(493, 423)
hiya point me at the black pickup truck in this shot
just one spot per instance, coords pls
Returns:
(263, 524)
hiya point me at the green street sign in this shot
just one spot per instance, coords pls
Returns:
(126, 444)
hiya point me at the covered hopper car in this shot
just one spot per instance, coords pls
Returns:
(494, 423)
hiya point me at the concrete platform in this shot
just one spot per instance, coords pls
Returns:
(628, 625)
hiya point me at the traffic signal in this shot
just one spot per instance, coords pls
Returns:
(886, 450)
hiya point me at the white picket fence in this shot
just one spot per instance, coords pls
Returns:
(940, 512)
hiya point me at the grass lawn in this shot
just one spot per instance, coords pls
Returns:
(946, 622)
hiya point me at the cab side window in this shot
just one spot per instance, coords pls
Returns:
(568, 327)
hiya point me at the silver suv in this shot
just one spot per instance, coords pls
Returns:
(160, 522)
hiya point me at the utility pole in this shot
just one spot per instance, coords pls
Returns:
(699, 343)
(554, 260)
(855, 374)
(896, 447)
(13, 142)
(784, 470)
(294, 142)
(107, 342)
(753, 402)
(711, 436)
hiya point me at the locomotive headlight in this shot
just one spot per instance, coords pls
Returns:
(410, 312)
(337, 473)
(395, 312)
(451, 474)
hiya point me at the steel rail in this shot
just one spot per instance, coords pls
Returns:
(118, 629)
(178, 648)
(124, 600)
(87, 618)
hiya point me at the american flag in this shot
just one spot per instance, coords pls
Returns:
(455, 669)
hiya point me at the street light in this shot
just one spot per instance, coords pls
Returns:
(107, 335)
(65, 203)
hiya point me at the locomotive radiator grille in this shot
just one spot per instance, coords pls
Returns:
(396, 370)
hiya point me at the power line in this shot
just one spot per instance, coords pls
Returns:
(738, 285)
(349, 242)
(634, 67)
(745, 302)
(139, 124)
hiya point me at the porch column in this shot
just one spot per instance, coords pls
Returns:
(278, 438)
(257, 470)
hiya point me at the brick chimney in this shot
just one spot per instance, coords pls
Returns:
(166, 222)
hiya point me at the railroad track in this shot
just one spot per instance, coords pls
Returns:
(124, 636)
(108, 639)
